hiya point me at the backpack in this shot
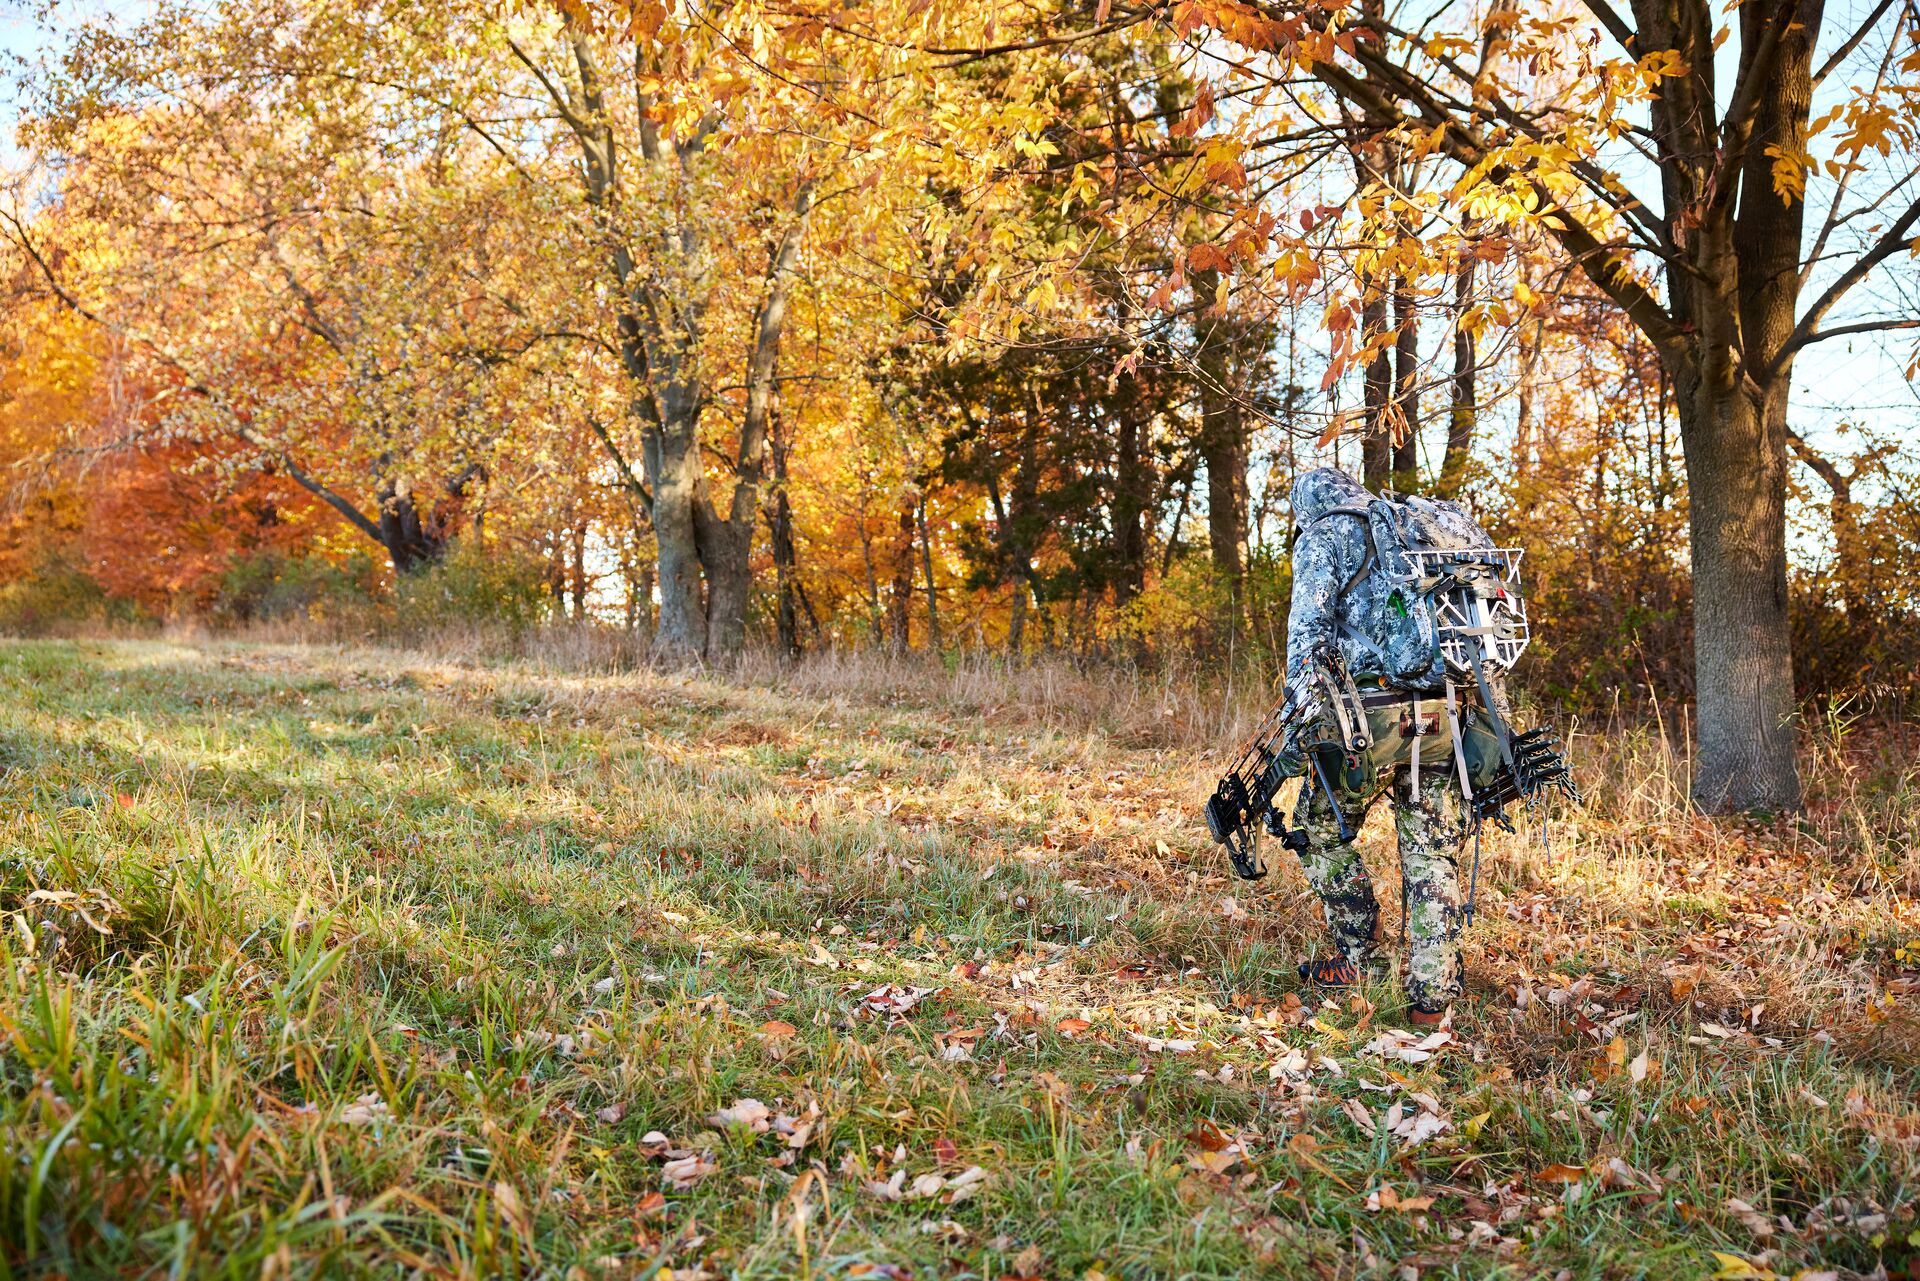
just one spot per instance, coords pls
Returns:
(1449, 604)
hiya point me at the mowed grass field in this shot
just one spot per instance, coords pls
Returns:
(323, 961)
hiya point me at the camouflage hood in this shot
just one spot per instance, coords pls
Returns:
(1319, 491)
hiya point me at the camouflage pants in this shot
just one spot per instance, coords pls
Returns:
(1431, 828)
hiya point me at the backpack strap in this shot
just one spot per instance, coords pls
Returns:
(1359, 513)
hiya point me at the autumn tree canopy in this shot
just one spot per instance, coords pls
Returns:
(953, 323)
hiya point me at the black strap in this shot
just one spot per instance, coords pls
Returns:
(1473, 885)
(1366, 561)
(1501, 733)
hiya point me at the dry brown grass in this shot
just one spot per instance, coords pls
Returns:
(512, 851)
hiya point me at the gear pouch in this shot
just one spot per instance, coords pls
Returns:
(1394, 727)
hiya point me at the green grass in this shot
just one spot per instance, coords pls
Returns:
(324, 961)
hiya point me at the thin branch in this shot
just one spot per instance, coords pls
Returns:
(1618, 29)
(1853, 42)
(628, 478)
(1891, 242)
(561, 102)
(238, 424)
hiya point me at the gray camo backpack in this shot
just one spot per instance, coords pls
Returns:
(1450, 602)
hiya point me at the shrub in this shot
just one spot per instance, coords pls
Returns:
(271, 586)
(59, 599)
(475, 584)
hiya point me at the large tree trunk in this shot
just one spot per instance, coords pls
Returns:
(727, 553)
(1739, 296)
(1742, 654)
(1223, 440)
(673, 467)
(412, 542)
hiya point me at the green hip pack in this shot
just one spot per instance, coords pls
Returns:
(1397, 723)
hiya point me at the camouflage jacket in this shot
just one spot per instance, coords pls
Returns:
(1326, 556)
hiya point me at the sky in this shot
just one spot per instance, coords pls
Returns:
(18, 37)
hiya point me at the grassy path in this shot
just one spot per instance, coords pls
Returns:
(354, 962)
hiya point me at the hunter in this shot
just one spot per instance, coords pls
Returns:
(1335, 598)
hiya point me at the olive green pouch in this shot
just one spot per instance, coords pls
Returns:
(1394, 728)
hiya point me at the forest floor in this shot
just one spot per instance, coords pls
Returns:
(353, 961)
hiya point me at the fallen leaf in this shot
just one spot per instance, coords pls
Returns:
(1215, 1162)
(1420, 1127)
(365, 1110)
(1562, 1174)
(895, 999)
(1385, 1198)
(1208, 1136)
(776, 1030)
(751, 1113)
(1734, 1267)
(1750, 1218)
(512, 1208)
(683, 1172)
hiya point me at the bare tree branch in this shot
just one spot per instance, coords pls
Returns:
(1853, 42)
(1891, 241)
(237, 422)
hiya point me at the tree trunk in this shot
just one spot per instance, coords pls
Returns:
(1460, 417)
(1526, 355)
(644, 599)
(412, 544)
(900, 590)
(1131, 498)
(786, 615)
(926, 565)
(1740, 293)
(673, 466)
(727, 553)
(1017, 617)
(1376, 443)
(1743, 667)
(1223, 441)
(579, 572)
(1225, 451)
(1406, 353)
